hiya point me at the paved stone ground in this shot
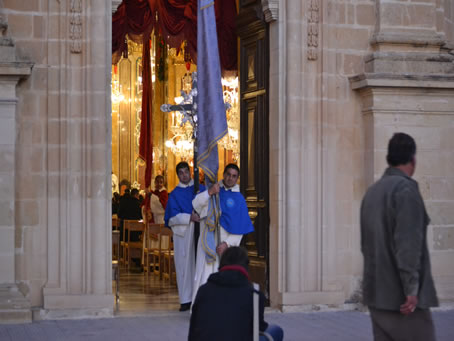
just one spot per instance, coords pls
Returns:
(339, 326)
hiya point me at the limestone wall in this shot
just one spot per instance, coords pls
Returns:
(26, 24)
(324, 148)
(62, 228)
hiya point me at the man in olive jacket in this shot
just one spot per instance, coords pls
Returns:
(397, 281)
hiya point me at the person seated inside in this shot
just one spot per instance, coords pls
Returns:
(115, 203)
(223, 307)
(129, 209)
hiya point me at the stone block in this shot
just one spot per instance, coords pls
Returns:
(420, 15)
(365, 14)
(20, 26)
(56, 133)
(39, 27)
(99, 159)
(426, 161)
(441, 188)
(22, 6)
(353, 38)
(424, 187)
(76, 107)
(336, 12)
(6, 159)
(295, 39)
(30, 186)
(28, 106)
(6, 212)
(6, 186)
(344, 210)
(40, 78)
(27, 213)
(447, 135)
(32, 50)
(350, 9)
(391, 14)
(443, 238)
(353, 64)
(442, 264)
(53, 159)
(7, 131)
(441, 212)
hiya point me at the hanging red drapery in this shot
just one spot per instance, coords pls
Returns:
(132, 18)
(176, 21)
(146, 131)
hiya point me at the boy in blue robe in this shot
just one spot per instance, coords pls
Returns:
(234, 222)
(180, 217)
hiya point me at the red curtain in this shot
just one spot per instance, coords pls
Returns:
(176, 21)
(132, 18)
(146, 131)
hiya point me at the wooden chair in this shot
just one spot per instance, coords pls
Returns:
(157, 255)
(168, 269)
(115, 222)
(129, 226)
(115, 261)
(151, 246)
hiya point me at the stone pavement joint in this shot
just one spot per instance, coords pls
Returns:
(339, 326)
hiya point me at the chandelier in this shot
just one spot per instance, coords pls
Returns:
(231, 140)
(181, 144)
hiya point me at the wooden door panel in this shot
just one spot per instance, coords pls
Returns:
(254, 134)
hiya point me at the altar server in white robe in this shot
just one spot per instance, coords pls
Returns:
(234, 222)
(179, 216)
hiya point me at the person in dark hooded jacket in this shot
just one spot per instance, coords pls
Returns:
(223, 307)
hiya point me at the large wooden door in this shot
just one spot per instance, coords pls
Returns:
(254, 134)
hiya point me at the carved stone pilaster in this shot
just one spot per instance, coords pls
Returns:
(78, 282)
(270, 10)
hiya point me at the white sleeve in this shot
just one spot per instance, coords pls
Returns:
(200, 203)
(180, 219)
(233, 239)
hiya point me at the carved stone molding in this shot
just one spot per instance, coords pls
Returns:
(75, 30)
(312, 29)
(270, 10)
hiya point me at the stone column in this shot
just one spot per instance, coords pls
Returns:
(408, 86)
(13, 305)
(299, 250)
(79, 161)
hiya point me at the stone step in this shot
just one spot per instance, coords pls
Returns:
(15, 316)
(14, 307)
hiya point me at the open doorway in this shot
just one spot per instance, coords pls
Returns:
(172, 62)
(171, 142)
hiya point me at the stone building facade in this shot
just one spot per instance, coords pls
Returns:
(344, 75)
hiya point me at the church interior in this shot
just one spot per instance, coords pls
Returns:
(170, 138)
